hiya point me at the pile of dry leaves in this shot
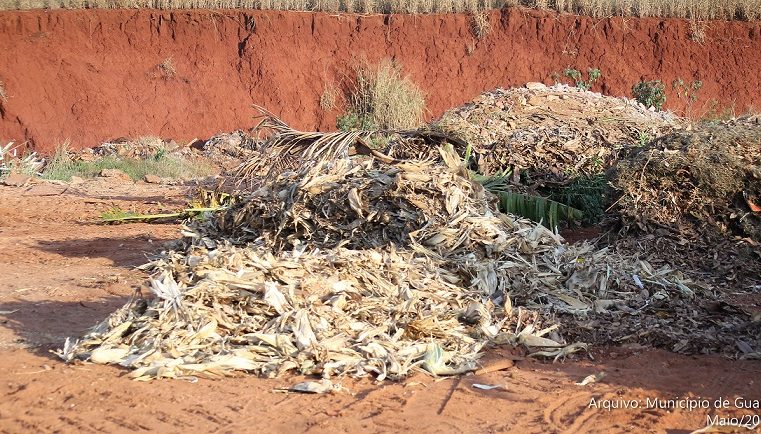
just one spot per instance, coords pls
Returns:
(551, 134)
(693, 197)
(704, 180)
(353, 266)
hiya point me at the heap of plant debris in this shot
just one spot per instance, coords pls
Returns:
(355, 266)
(695, 196)
(15, 160)
(551, 135)
(136, 148)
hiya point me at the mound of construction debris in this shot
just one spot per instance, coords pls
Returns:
(550, 135)
(355, 266)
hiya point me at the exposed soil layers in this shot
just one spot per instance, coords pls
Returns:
(93, 75)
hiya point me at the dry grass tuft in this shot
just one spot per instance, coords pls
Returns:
(698, 31)
(3, 93)
(470, 48)
(24, 162)
(382, 94)
(479, 24)
(329, 97)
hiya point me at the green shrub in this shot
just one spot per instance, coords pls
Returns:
(534, 207)
(352, 121)
(650, 93)
(593, 74)
(587, 194)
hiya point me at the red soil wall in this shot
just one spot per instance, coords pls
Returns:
(92, 75)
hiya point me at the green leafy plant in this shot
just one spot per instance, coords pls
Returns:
(593, 74)
(650, 93)
(533, 207)
(586, 194)
(117, 214)
(537, 208)
(160, 154)
(644, 138)
(352, 121)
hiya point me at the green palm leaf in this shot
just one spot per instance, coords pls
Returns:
(533, 207)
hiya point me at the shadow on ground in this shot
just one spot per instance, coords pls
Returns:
(41, 326)
(128, 252)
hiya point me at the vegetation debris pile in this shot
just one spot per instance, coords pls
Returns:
(353, 266)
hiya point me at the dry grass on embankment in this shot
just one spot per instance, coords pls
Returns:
(692, 9)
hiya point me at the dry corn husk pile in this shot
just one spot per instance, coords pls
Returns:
(696, 196)
(552, 134)
(357, 267)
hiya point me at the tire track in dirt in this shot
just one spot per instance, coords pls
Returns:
(569, 413)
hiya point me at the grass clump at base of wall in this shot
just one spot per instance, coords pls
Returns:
(62, 167)
(382, 98)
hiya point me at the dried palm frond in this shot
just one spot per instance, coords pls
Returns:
(288, 149)
(292, 150)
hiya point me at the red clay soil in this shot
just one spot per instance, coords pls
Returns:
(93, 75)
(61, 273)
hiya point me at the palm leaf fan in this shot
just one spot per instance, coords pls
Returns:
(292, 150)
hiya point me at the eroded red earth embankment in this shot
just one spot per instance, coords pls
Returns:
(92, 75)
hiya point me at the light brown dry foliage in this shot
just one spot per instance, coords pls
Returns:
(329, 97)
(563, 143)
(382, 93)
(3, 93)
(480, 24)
(698, 31)
(355, 267)
(693, 9)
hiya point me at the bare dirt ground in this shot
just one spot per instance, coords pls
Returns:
(60, 273)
